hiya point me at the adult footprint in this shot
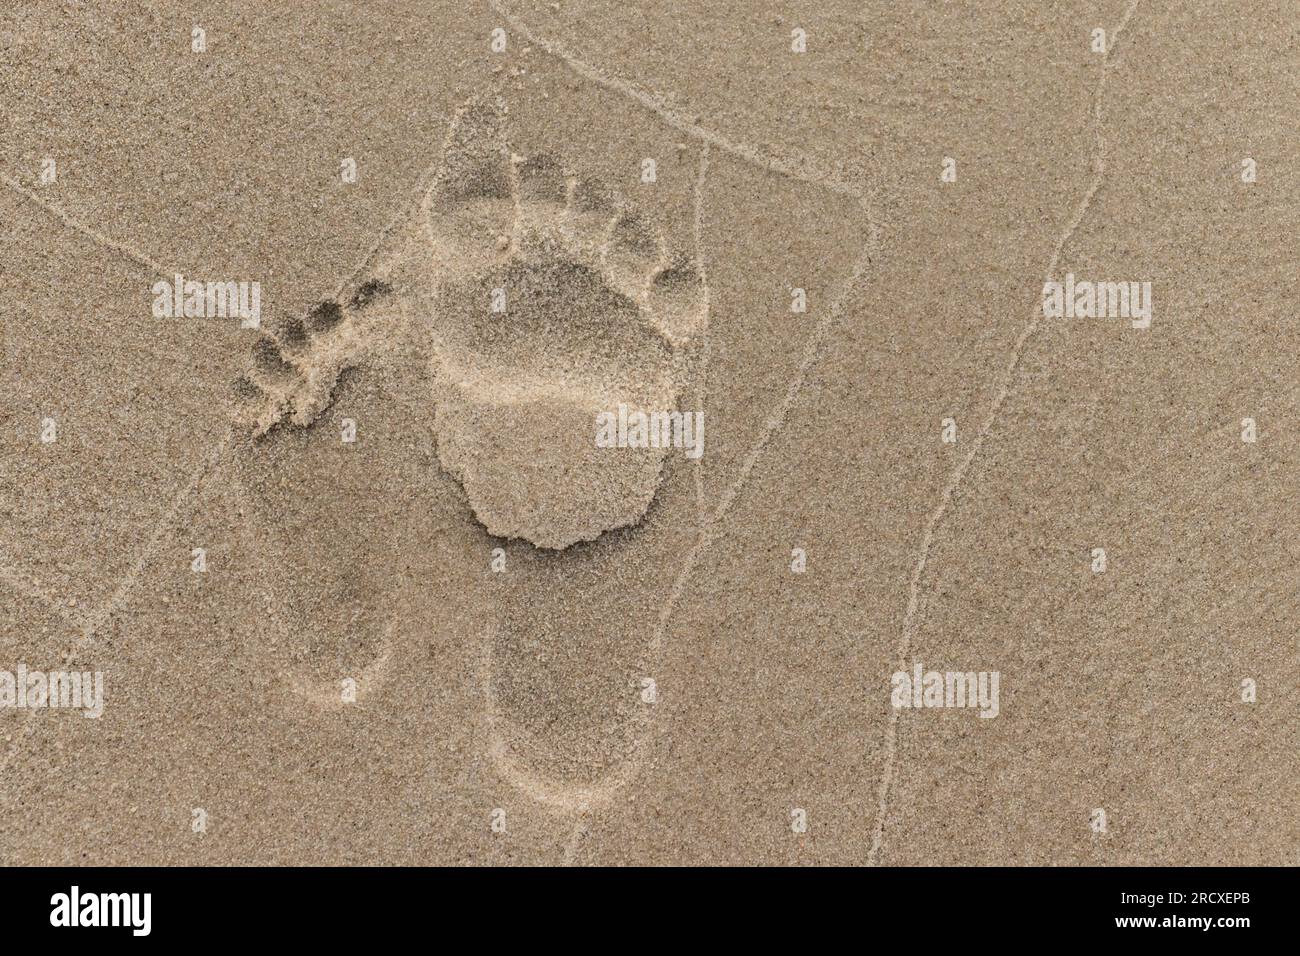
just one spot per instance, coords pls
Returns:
(546, 300)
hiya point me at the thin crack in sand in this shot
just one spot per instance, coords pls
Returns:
(593, 798)
(585, 800)
(1017, 353)
(92, 620)
(210, 464)
(90, 233)
(743, 151)
(706, 350)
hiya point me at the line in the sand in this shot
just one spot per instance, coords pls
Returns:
(811, 351)
(414, 194)
(702, 384)
(89, 232)
(210, 463)
(954, 481)
(95, 619)
(713, 527)
(749, 154)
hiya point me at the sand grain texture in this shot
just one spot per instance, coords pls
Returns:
(647, 680)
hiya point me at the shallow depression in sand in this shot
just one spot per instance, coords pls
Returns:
(548, 301)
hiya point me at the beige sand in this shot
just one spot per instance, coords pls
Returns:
(470, 635)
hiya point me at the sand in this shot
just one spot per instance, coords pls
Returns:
(363, 587)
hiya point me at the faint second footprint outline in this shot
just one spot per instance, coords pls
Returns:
(293, 376)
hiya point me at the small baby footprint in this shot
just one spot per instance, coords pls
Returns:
(321, 529)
